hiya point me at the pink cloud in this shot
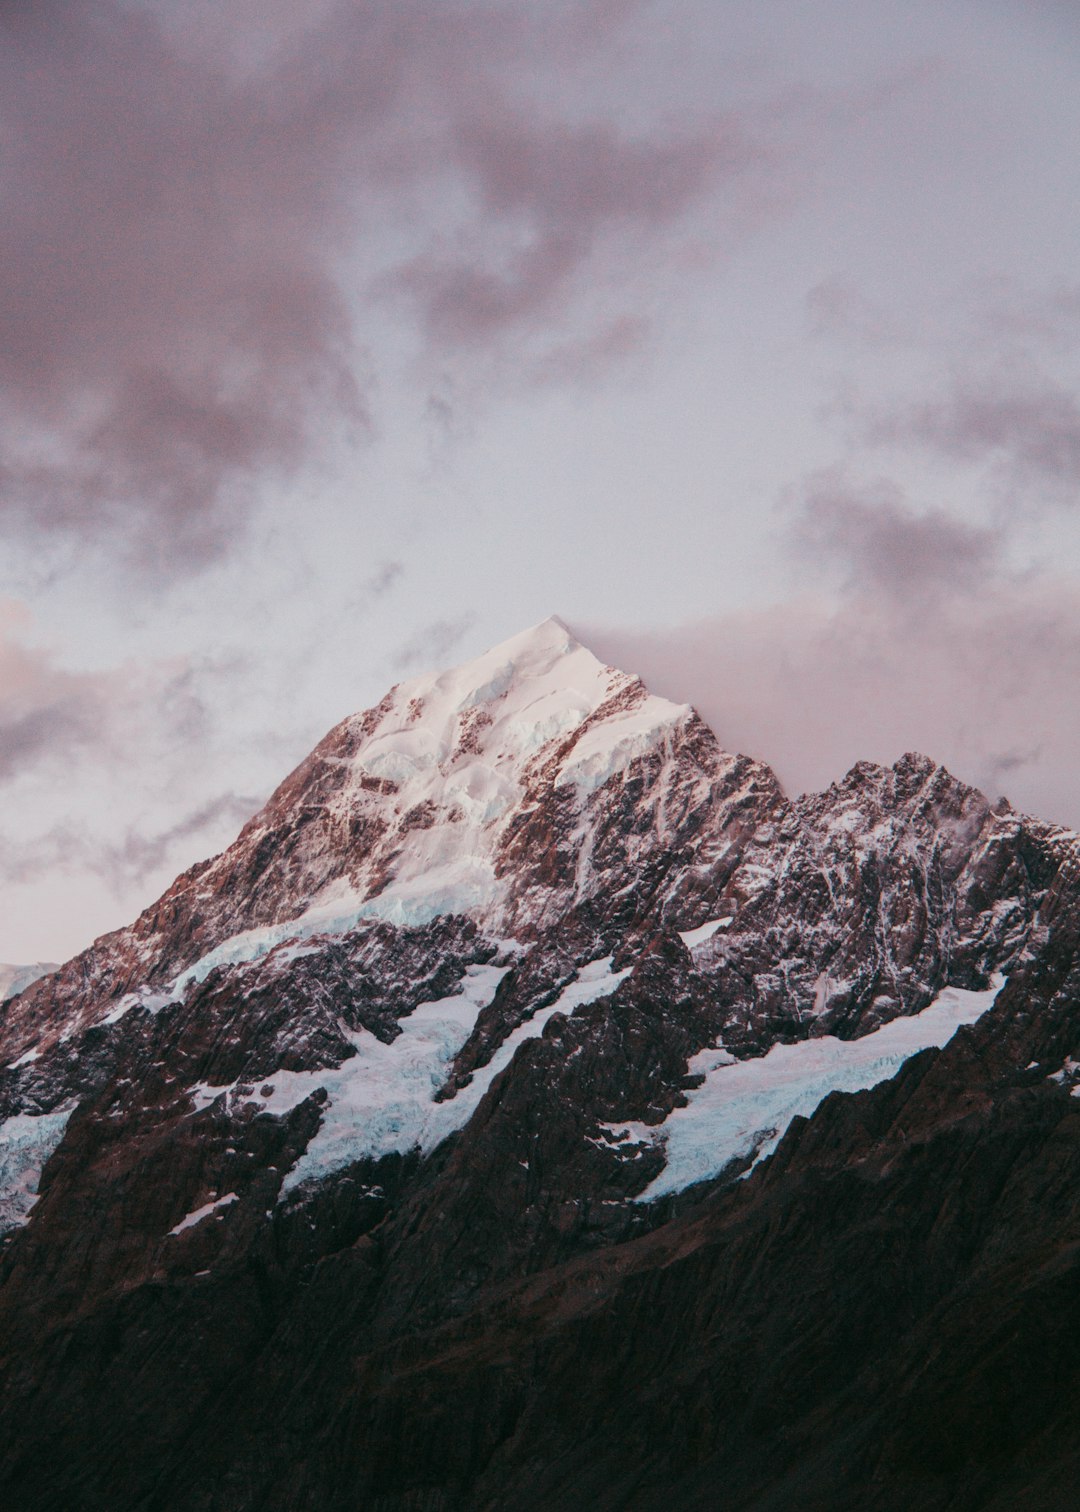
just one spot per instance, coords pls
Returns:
(882, 545)
(932, 644)
(51, 714)
(187, 218)
(1026, 427)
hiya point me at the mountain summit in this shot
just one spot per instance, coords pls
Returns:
(485, 1014)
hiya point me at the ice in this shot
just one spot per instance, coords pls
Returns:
(743, 1107)
(595, 981)
(544, 720)
(336, 916)
(381, 1101)
(401, 755)
(204, 1212)
(26, 1142)
(380, 1098)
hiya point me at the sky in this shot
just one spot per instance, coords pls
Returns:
(339, 342)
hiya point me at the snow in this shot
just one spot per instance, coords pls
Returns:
(694, 937)
(381, 1101)
(16, 979)
(743, 1107)
(26, 1142)
(459, 745)
(384, 1103)
(609, 747)
(204, 1212)
(454, 889)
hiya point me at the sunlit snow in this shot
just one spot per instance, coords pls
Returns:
(744, 1106)
(609, 747)
(458, 746)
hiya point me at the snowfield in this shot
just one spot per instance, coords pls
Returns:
(381, 1100)
(743, 1107)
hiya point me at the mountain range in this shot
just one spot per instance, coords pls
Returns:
(536, 1108)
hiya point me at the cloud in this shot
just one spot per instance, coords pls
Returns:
(554, 192)
(170, 324)
(196, 204)
(998, 393)
(930, 644)
(882, 545)
(383, 578)
(1026, 427)
(581, 359)
(368, 592)
(51, 715)
(431, 646)
(45, 712)
(127, 862)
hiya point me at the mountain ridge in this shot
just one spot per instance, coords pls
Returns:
(442, 1020)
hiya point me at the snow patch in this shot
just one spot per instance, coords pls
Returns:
(693, 937)
(204, 1212)
(743, 1107)
(611, 746)
(382, 1100)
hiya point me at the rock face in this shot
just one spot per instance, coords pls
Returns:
(389, 1159)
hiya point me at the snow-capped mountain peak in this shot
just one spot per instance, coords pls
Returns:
(511, 969)
(418, 803)
(497, 790)
(496, 713)
(553, 802)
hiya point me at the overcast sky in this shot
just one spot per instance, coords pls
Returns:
(340, 341)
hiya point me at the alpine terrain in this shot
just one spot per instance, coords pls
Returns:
(534, 1108)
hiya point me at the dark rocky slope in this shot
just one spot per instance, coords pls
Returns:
(292, 1249)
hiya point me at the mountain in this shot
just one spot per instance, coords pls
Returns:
(535, 1107)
